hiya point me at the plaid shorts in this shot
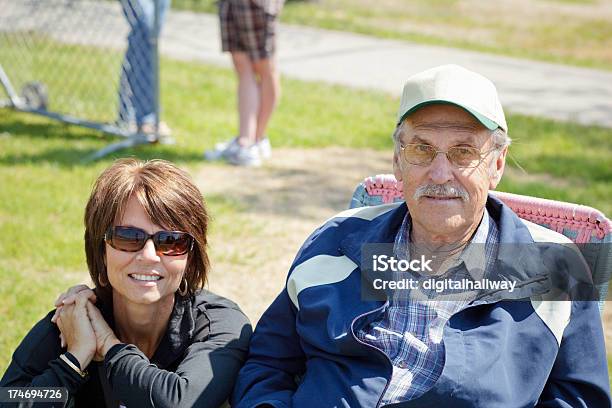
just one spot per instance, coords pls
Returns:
(246, 27)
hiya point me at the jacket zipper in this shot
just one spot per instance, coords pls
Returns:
(374, 348)
(369, 345)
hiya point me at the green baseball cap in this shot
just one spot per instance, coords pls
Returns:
(454, 85)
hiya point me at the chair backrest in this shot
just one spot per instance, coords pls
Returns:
(581, 224)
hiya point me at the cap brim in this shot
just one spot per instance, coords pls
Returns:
(486, 122)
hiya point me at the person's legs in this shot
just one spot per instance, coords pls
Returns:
(247, 32)
(262, 50)
(248, 98)
(136, 93)
(231, 15)
(269, 81)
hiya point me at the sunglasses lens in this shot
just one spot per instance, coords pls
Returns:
(127, 239)
(173, 243)
(132, 239)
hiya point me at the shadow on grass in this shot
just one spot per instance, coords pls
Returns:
(79, 157)
(48, 130)
(77, 145)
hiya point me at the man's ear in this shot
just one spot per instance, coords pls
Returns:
(397, 166)
(497, 169)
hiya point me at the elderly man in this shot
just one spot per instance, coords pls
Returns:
(325, 343)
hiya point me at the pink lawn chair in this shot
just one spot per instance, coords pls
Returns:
(581, 224)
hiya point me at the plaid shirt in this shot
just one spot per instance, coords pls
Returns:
(410, 331)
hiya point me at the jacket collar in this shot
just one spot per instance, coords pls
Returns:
(381, 230)
(518, 259)
(179, 332)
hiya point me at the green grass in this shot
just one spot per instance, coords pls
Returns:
(89, 76)
(574, 32)
(45, 183)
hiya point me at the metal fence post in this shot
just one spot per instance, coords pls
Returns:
(62, 59)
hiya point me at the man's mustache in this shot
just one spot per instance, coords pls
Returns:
(442, 191)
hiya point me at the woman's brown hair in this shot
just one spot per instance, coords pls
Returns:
(170, 199)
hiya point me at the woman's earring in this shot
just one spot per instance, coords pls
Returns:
(183, 292)
(102, 281)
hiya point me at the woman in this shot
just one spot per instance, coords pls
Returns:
(153, 337)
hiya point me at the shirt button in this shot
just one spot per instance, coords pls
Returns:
(403, 364)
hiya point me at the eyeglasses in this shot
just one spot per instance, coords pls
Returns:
(132, 239)
(460, 156)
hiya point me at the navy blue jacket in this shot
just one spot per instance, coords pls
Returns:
(500, 352)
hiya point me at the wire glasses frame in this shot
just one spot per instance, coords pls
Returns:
(460, 156)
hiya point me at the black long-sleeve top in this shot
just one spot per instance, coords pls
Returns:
(195, 365)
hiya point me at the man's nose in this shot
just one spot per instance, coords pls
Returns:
(440, 169)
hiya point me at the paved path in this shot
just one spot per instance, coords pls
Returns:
(534, 88)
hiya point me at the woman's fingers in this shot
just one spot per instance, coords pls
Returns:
(97, 320)
(61, 326)
(56, 314)
(70, 297)
(79, 290)
(67, 298)
(71, 291)
(105, 337)
(60, 299)
(54, 319)
(94, 313)
(80, 301)
(78, 333)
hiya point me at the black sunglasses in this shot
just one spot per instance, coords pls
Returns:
(132, 239)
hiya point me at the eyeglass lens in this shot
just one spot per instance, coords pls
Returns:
(422, 154)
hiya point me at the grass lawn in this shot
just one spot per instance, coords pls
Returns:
(566, 31)
(45, 184)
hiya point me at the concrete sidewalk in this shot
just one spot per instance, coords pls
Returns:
(533, 88)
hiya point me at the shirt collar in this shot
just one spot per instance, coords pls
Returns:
(474, 256)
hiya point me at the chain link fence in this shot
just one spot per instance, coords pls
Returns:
(92, 63)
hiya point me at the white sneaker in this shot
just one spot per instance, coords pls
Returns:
(245, 156)
(265, 149)
(222, 149)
